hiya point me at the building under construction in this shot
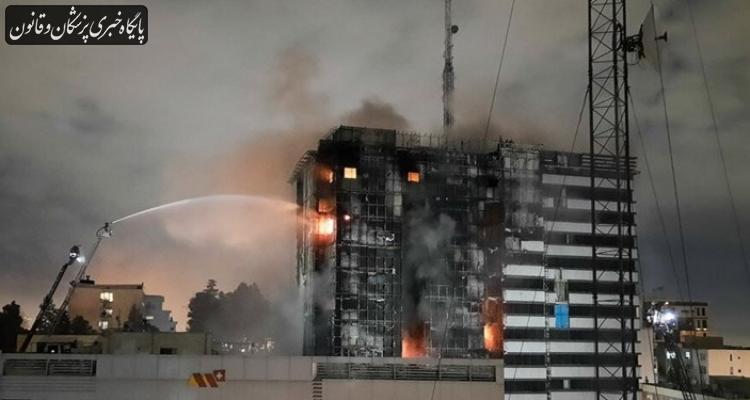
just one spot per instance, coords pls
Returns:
(410, 246)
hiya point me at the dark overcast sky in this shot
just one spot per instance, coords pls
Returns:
(227, 94)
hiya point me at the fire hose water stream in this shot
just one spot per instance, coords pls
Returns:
(196, 200)
(106, 230)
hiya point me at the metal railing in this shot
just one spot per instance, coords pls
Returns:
(49, 367)
(406, 372)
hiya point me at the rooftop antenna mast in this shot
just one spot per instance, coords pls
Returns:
(448, 75)
(609, 157)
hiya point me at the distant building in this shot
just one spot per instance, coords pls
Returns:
(155, 315)
(692, 317)
(711, 367)
(718, 370)
(108, 306)
(728, 362)
(123, 343)
(721, 372)
(105, 306)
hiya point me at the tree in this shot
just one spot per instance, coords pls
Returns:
(204, 308)
(80, 326)
(240, 315)
(10, 327)
(245, 313)
(136, 322)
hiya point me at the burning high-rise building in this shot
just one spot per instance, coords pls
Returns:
(413, 247)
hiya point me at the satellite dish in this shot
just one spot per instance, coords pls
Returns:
(648, 47)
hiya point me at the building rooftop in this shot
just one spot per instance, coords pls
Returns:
(427, 142)
(83, 284)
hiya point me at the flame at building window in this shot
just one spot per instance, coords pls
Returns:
(493, 337)
(325, 225)
(414, 341)
(326, 174)
(413, 177)
(326, 205)
(493, 325)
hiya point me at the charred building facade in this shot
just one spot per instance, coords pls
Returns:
(409, 246)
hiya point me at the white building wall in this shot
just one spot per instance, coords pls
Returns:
(729, 362)
(531, 293)
(567, 274)
(158, 377)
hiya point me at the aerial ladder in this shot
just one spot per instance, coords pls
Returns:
(74, 255)
(664, 324)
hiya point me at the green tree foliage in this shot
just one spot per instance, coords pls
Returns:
(136, 322)
(204, 308)
(10, 327)
(242, 314)
(80, 326)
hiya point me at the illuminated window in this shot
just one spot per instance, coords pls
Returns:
(106, 296)
(108, 312)
(103, 325)
(412, 177)
(350, 173)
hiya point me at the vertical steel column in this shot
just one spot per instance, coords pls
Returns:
(610, 170)
(448, 74)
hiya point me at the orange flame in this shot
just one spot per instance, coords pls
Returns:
(413, 343)
(325, 225)
(493, 337)
(326, 175)
(492, 313)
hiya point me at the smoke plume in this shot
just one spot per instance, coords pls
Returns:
(177, 251)
(426, 260)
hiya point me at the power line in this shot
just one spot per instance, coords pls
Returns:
(489, 117)
(683, 247)
(663, 227)
(448, 319)
(659, 212)
(546, 232)
(499, 68)
(638, 264)
(715, 130)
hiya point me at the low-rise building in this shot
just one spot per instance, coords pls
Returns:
(728, 362)
(692, 317)
(157, 377)
(110, 306)
(156, 315)
(123, 343)
(711, 367)
(105, 306)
